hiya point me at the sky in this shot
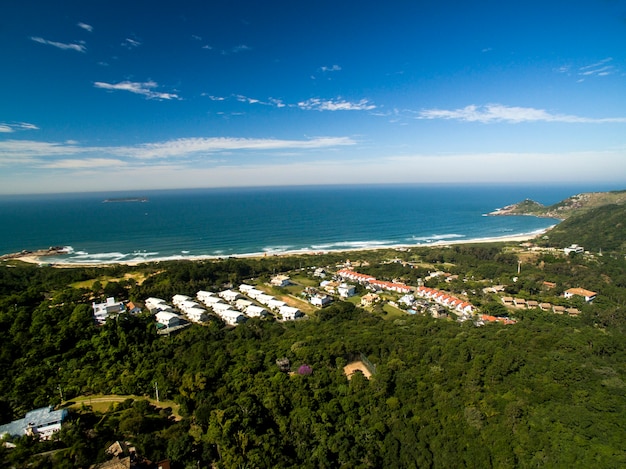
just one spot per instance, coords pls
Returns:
(138, 95)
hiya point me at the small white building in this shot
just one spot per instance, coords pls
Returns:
(101, 311)
(231, 317)
(254, 293)
(289, 313)
(211, 300)
(221, 306)
(196, 314)
(167, 319)
(346, 291)
(241, 304)
(280, 281)
(156, 304)
(254, 311)
(179, 299)
(264, 299)
(245, 288)
(320, 300)
(230, 295)
(575, 248)
(275, 304)
(203, 295)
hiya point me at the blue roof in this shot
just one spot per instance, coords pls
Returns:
(36, 418)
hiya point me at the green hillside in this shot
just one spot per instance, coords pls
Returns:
(602, 228)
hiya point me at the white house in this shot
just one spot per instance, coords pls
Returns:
(265, 299)
(289, 313)
(217, 307)
(280, 281)
(211, 300)
(101, 311)
(275, 304)
(229, 295)
(203, 295)
(167, 319)
(588, 295)
(320, 300)
(575, 248)
(254, 311)
(196, 314)
(231, 317)
(245, 288)
(156, 304)
(407, 300)
(179, 299)
(241, 304)
(346, 291)
(254, 293)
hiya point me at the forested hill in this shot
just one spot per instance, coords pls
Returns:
(575, 205)
(600, 229)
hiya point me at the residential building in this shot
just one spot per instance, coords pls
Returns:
(589, 296)
(42, 422)
(167, 318)
(289, 313)
(280, 281)
(101, 311)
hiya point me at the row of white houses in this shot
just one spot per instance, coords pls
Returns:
(461, 307)
(288, 313)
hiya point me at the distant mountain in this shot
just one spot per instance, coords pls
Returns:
(574, 205)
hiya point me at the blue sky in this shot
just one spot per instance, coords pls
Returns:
(153, 95)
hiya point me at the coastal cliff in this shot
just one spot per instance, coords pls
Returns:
(574, 205)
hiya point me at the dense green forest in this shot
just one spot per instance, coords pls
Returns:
(548, 391)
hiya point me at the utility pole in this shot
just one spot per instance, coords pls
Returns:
(156, 387)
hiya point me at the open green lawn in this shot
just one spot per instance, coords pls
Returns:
(102, 403)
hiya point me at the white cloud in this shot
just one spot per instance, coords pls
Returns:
(333, 68)
(188, 146)
(87, 163)
(60, 45)
(33, 152)
(85, 26)
(15, 126)
(142, 88)
(317, 104)
(130, 43)
(598, 69)
(510, 114)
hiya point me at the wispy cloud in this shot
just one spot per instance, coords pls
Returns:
(313, 104)
(85, 26)
(317, 104)
(599, 69)
(73, 155)
(130, 43)
(16, 126)
(142, 88)
(236, 50)
(494, 113)
(188, 146)
(332, 68)
(80, 47)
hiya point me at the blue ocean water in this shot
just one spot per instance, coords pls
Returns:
(230, 222)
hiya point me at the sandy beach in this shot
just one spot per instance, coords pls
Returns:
(42, 258)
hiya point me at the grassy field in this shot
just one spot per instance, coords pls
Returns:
(102, 403)
(139, 277)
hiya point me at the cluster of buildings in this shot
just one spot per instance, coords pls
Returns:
(373, 283)
(111, 308)
(461, 308)
(233, 307)
(521, 303)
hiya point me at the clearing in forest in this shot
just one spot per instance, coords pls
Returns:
(353, 367)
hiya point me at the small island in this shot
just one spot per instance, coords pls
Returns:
(126, 199)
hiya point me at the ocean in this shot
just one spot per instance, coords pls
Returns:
(178, 224)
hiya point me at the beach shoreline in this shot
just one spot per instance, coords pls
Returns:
(41, 258)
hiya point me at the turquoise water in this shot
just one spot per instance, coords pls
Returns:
(225, 222)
